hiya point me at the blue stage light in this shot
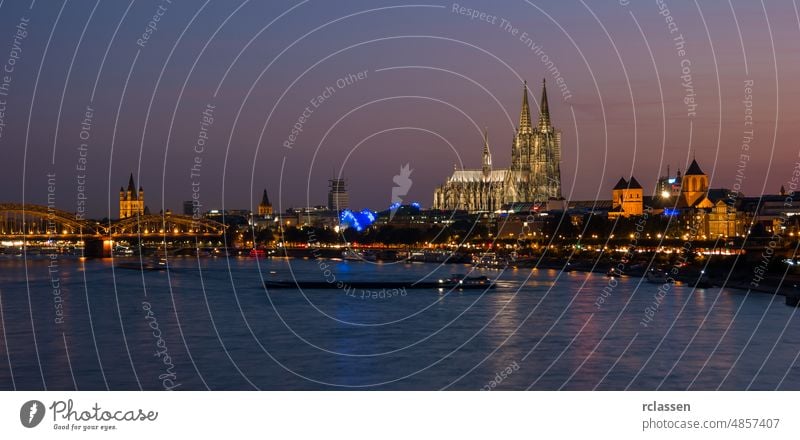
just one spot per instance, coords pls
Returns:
(357, 220)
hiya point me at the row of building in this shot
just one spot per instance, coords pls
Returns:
(132, 204)
(529, 189)
(696, 207)
(532, 184)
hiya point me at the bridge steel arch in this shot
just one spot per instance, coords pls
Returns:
(157, 225)
(27, 220)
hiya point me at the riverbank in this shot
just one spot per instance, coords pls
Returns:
(713, 275)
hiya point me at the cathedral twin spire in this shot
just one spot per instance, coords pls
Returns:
(525, 113)
(487, 156)
(544, 109)
(537, 150)
(525, 125)
(534, 174)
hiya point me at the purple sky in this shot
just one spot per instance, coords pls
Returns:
(434, 78)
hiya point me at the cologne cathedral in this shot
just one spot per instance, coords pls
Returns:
(534, 176)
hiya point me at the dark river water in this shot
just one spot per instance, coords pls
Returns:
(210, 324)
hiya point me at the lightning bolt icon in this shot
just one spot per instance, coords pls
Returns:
(403, 183)
(34, 410)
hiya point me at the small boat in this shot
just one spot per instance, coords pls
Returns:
(223, 252)
(258, 253)
(465, 282)
(122, 251)
(416, 257)
(489, 260)
(613, 273)
(352, 255)
(457, 281)
(656, 276)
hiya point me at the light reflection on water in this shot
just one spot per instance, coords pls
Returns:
(228, 332)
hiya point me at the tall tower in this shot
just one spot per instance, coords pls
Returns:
(536, 153)
(521, 147)
(627, 199)
(544, 110)
(337, 195)
(546, 163)
(487, 156)
(131, 202)
(694, 185)
(265, 207)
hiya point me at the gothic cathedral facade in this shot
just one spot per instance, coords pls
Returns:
(534, 175)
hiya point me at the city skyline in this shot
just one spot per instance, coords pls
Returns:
(621, 112)
(388, 195)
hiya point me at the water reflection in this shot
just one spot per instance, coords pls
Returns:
(223, 330)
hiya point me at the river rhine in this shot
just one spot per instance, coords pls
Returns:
(210, 324)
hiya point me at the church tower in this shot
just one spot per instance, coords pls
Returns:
(534, 175)
(521, 147)
(265, 207)
(694, 185)
(544, 110)
(627, 199)
(547, 160)
(131, 202)
(536, 153)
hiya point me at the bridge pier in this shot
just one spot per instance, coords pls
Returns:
(97, 247)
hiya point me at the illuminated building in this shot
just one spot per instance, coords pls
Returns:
(669, 187)
(627, 199)
(778, 213)
(694, 188)
(725, 221)
(131, 202)
(412, 216)
(312, 216)
(265, 207)
(357, 220)
(337, 195)
(534, 176)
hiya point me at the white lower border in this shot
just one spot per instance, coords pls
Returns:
(402, 415)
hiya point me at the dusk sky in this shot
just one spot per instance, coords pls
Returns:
(431, 79)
